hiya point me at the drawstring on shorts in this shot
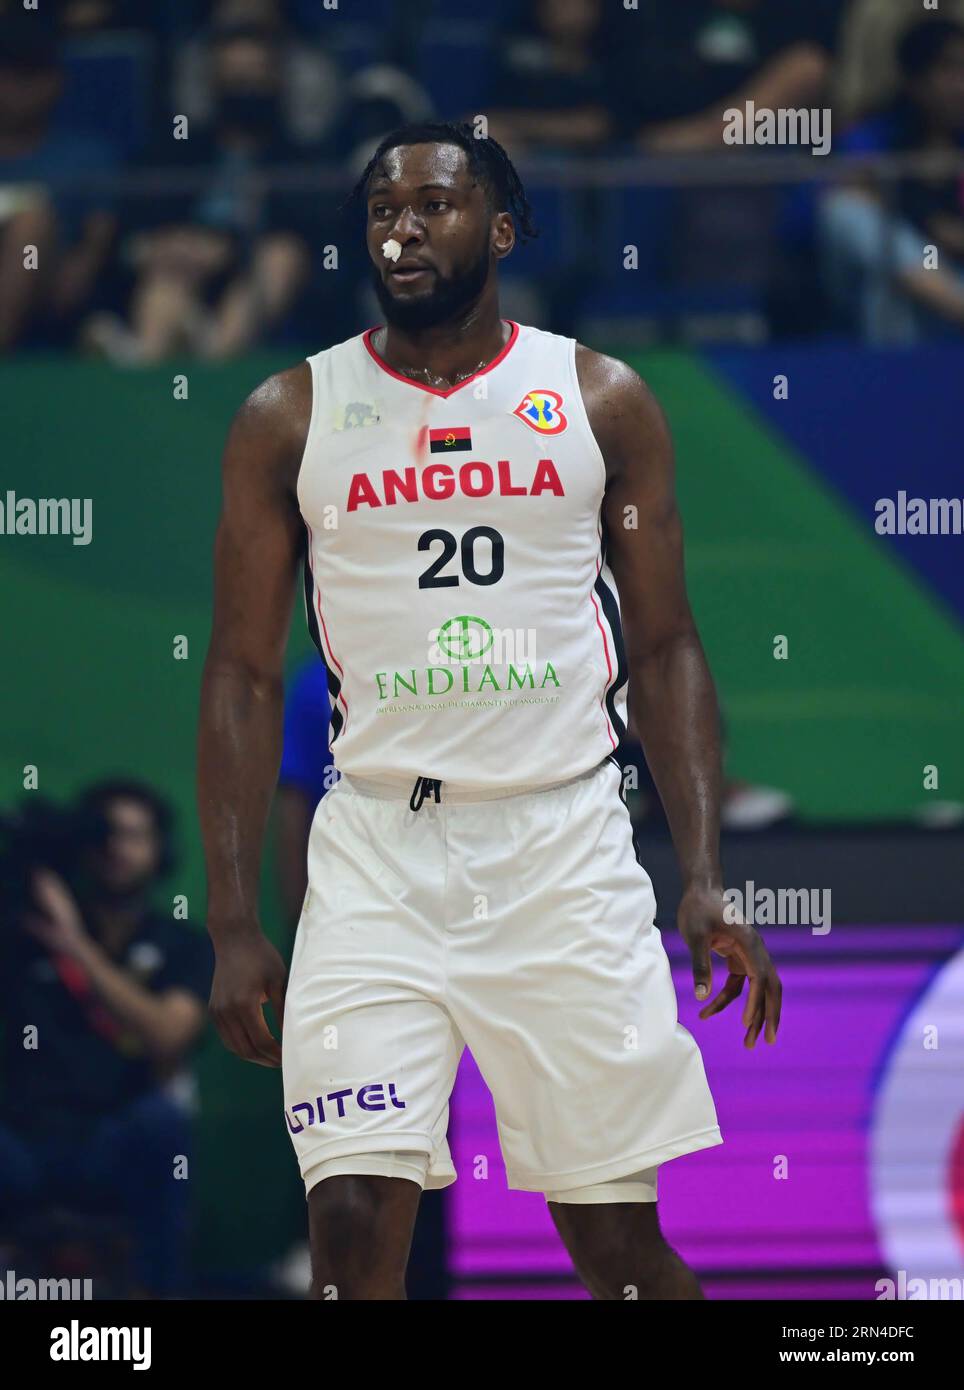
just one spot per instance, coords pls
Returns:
(425, 786)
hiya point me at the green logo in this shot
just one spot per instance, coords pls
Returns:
(462, 642)
(465, 638)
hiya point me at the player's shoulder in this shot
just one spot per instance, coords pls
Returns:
(613, 392)
(592, 368)
(289, 391)
(598, 371)
(272, 422)
(267, 436)
(279, 396)
(276, 416)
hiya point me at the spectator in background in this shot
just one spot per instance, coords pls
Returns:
(307, 772)
(551, 86)
(311, 94)
(95, 1116)
(91, 16)
(216, 270)
(71, 227)
(875, 245)
(378, 98)
(693, 61)
(866, 76)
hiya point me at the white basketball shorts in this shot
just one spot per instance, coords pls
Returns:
(519, 925)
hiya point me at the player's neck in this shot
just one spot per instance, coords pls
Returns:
(447, 352)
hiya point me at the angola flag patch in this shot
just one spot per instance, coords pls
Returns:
(450, 441)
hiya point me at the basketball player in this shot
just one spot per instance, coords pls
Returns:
(492, 559)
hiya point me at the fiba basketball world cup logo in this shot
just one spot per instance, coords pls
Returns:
(465, 638)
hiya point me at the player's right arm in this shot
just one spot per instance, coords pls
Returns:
(256, 556)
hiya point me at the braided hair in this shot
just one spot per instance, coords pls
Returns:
(488, 162)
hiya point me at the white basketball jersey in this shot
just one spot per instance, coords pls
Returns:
(456, 582)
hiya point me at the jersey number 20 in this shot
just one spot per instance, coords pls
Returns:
(433, 579)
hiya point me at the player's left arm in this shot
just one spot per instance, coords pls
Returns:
(671, 696)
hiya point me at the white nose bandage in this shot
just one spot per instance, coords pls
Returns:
(391, 249)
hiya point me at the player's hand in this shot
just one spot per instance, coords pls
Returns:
(248, 974)
(704, 927)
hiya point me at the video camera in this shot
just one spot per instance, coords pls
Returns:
(42, 835)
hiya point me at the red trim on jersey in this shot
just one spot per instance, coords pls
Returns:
(440, 436)
(609, 665)
(435, 390)
(324, 629)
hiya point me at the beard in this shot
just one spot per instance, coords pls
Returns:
(449, 297)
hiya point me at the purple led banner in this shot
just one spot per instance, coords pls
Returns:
(862, 1098)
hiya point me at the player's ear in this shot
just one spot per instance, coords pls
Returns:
(503, 234)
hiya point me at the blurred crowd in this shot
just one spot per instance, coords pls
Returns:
(105, 1001)
(174, 168)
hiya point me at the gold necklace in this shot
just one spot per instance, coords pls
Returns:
(431, 379)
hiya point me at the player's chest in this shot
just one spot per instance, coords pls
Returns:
(379, 461)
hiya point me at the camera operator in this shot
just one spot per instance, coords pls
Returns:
(103, 1000)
